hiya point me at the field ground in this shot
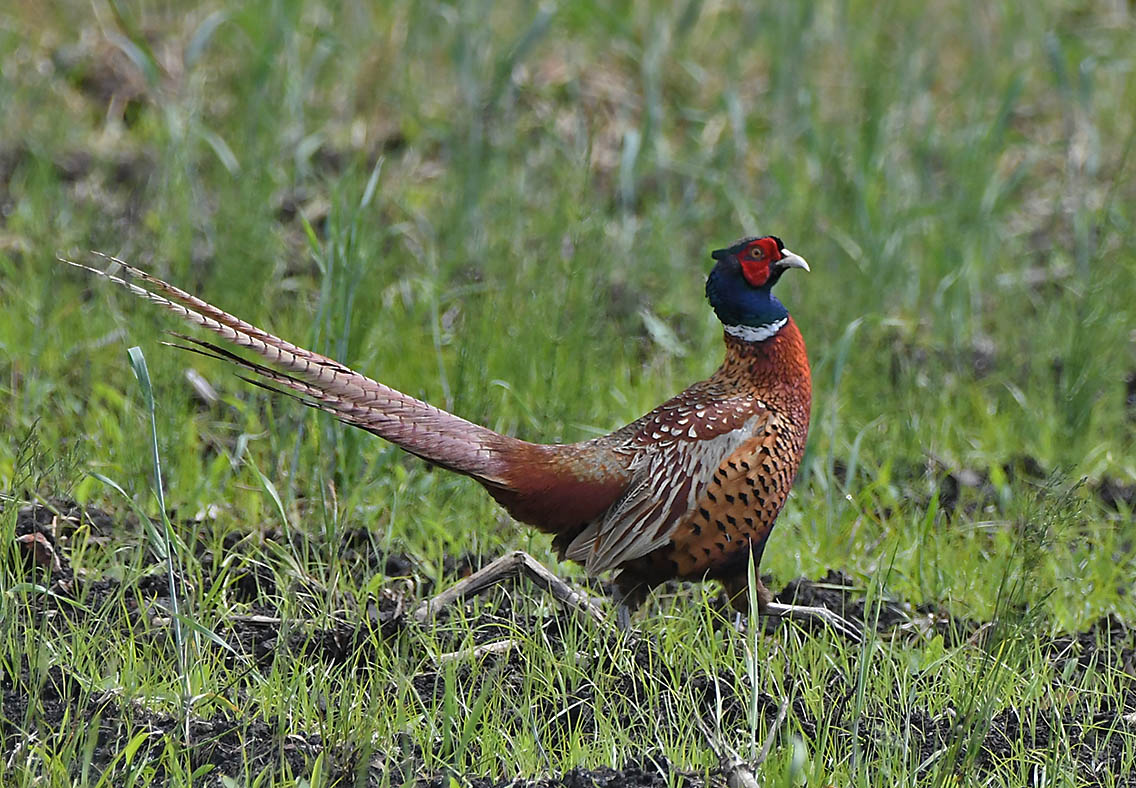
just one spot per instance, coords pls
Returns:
(507, 209)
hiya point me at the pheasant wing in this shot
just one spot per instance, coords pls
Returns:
(677, 448)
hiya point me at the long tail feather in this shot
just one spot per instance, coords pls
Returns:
(416, 426)
(304, 393)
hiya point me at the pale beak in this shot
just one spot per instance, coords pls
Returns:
(790, 260)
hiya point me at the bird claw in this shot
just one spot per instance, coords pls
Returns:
(515, 563)
(521, 563)
(845, 627)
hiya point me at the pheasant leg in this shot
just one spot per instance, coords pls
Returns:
(511, 565)
(737, 592)
(843, 626)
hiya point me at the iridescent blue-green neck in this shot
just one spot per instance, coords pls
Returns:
(737, 303)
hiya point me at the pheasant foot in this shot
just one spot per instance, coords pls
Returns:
(847, 628)
(512, 565)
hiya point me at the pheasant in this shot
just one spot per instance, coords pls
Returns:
(689, 491)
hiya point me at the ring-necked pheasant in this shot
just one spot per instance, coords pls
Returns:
(688, 491)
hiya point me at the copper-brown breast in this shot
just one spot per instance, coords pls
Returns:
(739, 507)
(734, 515)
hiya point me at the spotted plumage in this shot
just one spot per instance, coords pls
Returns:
(690, 490)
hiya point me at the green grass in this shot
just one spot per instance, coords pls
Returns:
(506, 209)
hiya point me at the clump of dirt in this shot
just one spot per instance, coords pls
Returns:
(838, 592)
(1130, 396)
(967, 492)
(1114, 494)
(58, 518)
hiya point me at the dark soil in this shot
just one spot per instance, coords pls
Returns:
(239, 746)
(220, 740)
(630, 776)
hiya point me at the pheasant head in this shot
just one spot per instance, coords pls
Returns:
(740, 288)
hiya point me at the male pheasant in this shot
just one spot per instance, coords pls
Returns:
(688, 491)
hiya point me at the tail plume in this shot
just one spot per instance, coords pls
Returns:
(416, 426)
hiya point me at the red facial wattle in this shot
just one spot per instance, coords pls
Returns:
(756, 258)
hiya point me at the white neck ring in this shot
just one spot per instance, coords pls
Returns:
(756, 333)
